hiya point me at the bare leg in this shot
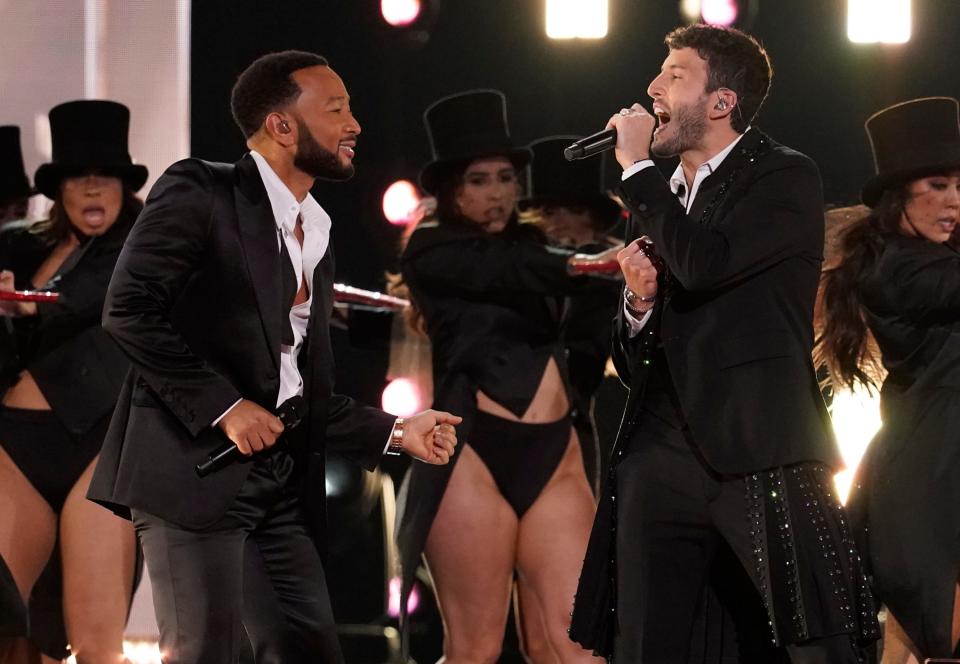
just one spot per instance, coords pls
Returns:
(897, 646)
(98, 552)
(22, 651)
(470, 552)
(28, 531)
(531, 630)
(955, 631)
(552, 542)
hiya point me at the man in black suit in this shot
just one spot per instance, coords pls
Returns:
(221, 298)
(721, 486)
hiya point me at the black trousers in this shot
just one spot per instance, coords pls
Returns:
(257, 568)
(683, 543)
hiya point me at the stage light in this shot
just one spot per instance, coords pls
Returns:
(401, 397)
(690, 9)
(393, 599)
(872, 21)
(725, 13)
(719, 12)
(400, 13)
(400, 202)
(577, 19)
(856, 418)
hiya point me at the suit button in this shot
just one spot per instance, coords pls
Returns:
(642, 207)
(84, 370)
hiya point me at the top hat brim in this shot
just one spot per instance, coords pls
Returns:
(429, 174)
(49, 176)
(14, 193)
(873, 189)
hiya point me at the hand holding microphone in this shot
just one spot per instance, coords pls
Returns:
(629, 131)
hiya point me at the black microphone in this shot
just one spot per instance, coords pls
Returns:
(290, 413)
(591, 145)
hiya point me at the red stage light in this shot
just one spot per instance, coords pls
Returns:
(400, 202)
(400, 13)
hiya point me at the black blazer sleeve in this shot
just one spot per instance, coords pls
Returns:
(357, 432)
(161, 254)
(479, 265)
(764, 227)
(922, 284)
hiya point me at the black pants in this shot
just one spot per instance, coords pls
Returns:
(683, 539)
(257, 568)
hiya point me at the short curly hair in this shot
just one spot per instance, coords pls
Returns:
(735, 60)
(267, 85)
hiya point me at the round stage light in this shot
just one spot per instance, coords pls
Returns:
(401, 397)
(400, 13)
(719, 12)
(400, 202)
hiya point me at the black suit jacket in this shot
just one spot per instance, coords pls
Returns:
(195, 304)
(77, 366)
(735, 315)
(734, 320)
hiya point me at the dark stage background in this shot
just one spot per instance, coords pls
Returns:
(824, 88)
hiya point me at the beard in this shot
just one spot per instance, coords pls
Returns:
(691, 125)
(315, 160)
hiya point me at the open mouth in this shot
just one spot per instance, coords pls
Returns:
(496, 213)
(663, 119)
(94, 214)
(349, 149)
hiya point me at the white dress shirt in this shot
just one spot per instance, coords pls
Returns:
(316, 237)
(678, 185)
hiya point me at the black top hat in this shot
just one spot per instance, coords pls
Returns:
(553, 179)
(13, 177)
(89, 135)
(465, 126)
(910, 140)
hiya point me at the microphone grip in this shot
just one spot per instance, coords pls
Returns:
(220, 457)
(290, 413)
(591, 145)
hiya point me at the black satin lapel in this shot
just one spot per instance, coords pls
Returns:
(258, 235)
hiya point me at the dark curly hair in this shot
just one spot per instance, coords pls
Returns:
(267, 85)
(735, 60)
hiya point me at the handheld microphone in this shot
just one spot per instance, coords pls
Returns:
(290, 412)
(591, 145)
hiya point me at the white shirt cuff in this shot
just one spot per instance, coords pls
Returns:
(635, 324)
(636, 168)
(217, 421)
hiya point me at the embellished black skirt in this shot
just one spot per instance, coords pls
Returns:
(804, 565)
